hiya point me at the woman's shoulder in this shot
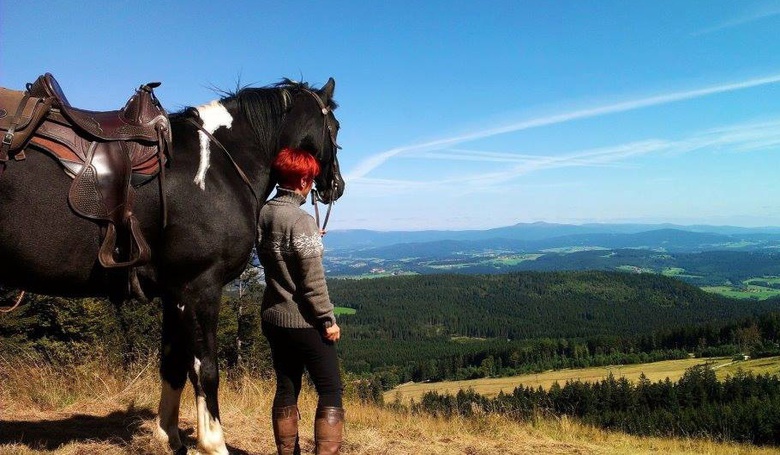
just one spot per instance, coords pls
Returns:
(287, 218)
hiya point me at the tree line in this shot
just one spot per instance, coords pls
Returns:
(742, 408)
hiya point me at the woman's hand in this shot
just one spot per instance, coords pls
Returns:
(333, 333)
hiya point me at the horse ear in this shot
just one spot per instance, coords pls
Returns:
(327, 89)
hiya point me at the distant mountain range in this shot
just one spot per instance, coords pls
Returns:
(539, 236)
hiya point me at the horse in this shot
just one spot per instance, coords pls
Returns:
(201, 233)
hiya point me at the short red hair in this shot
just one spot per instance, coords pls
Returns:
(292, 165)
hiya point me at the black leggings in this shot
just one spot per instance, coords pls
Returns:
(294, 349)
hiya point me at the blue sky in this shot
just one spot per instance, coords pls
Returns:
(466, 115)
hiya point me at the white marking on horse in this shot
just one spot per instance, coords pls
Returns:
(214, 115)
(211, 439)
(167, 428)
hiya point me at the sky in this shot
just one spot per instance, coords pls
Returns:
(466, 114)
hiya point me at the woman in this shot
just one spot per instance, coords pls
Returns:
(297, 315)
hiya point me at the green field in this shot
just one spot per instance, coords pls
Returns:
(574, 249)
(343, 310)
(494, 260)
(766, 279)
(656, 371)
(748, 290)
(513, 259)
(633, 269)
(677, 272)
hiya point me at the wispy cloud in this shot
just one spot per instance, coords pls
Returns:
(740, 138)
(368, 165)
(740, 21)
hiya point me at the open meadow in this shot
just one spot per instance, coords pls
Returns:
(757, 288)
(657, 371)
(93, 408)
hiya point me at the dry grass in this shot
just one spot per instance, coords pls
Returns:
(656, 371)
(93, 410)
(768, 365)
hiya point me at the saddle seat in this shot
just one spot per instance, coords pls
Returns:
(142, 119)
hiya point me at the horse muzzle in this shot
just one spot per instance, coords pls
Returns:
(330, 193)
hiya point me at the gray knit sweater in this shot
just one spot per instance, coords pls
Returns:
(290, 250)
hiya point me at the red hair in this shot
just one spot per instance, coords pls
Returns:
(292, 165)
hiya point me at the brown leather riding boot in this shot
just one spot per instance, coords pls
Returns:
(285, 423)
(328, 429)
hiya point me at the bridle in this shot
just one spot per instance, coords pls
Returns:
(328, 129)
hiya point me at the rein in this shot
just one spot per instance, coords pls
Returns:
(315, 196)
(16, 304)
(238, 169)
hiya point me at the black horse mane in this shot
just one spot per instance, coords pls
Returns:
(264, 107)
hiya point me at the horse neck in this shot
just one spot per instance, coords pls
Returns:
(236, 144)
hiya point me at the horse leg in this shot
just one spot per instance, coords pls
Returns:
(175, 361)
(205, 374)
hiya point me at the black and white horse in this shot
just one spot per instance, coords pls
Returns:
(211, 228)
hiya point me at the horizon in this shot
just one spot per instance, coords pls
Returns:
(466, 117)
(532, 223)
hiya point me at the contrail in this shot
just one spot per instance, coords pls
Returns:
(373, 162)
(740, 21)
(739, 138)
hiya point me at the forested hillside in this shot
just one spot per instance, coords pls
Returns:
(436, 327)
(529, 305)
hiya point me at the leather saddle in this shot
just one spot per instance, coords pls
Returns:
(106, 154)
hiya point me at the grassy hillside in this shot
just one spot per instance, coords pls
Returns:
(657, 371)
(92, 409)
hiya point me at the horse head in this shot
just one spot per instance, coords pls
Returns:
(311, 125)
